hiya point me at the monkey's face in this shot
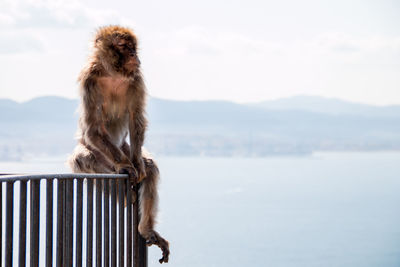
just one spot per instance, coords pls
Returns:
(117, 48)
(125, 53)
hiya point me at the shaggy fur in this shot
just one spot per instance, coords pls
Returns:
(112, 106)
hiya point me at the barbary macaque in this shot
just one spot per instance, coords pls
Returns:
(113, 98)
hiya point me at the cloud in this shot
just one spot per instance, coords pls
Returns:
(197, 63)
(45, 26)
(234, 190)
(345, 43)
(13, 43)
(198, 41)
(337, 42)
(195, 40)
(53, 14)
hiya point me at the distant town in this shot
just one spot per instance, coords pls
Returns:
(299, 125)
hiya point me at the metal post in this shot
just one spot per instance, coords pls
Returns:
(1, 220)
(112, 245)
(9, 223)
(113, 224)
(129, 223)
(60, 221)
(121, 183)
(89, 247)
(49, 223)
(98, 222)
(69, 223)
(35, 215)
(106, 224)
(22, 224)
(79, 203)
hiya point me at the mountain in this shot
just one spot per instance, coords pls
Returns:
(329, 106)
(41, 109)
(296, 125)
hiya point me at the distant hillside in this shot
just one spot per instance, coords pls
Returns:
(41, 109)
(329, 106)
(297, 125)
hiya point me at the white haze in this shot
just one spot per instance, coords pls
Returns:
(232, 50)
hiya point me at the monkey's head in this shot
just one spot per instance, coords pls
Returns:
(116, 48)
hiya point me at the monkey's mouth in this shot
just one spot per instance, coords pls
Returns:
(132, 64)
(132, 61)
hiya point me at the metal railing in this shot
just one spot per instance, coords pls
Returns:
(113, 196)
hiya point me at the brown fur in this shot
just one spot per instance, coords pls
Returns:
(112, 106)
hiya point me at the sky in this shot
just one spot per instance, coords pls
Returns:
(241, 51)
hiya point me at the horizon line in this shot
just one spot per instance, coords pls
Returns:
(223, 100)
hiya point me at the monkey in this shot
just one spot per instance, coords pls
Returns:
(113, 97)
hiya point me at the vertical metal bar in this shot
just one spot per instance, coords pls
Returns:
(106, 224)
(1, 221)
(35, 215)
(98, 221)
(60, 221)
(135, 227)
(22, 224)
(113, 224)
(140, 248)
(89, 247)
(68, 227)
(65, 245)
(129, 223)
(9, 223)
(79, 198)
(121, 220)
(70, 220)
(49, 223)
(142, 252)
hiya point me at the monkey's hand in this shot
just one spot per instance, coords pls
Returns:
(131, 171)
(141, 169)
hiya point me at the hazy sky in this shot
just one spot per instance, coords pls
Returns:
(234, 50)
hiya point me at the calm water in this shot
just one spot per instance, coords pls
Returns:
(329, 209)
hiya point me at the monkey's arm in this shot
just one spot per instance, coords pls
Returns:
(126, 149)
(137, 123)
(100, 139)
(95, 132)
(137, 128)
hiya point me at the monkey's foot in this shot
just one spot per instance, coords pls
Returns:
(155, 239)
(132, 173)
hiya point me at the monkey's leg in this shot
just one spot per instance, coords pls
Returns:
(126, 149)
(88, 160)
(148, 209)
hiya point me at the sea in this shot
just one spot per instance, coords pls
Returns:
(325, 209)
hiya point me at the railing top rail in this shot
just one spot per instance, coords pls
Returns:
(26, 177)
